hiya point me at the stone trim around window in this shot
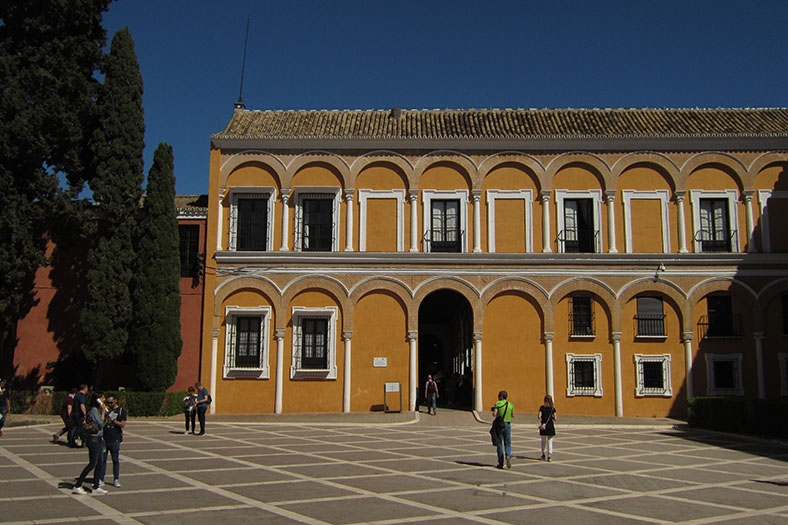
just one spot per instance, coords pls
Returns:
(763, 198)
(733, 214)
(399, 196)
(596, 195)
(525, 195)
(297, 196)
(426, 203)
(231, 314)
(238, 192)
(663, 197)
(302, 312)
(641, 390)
(571, 389)
(738, 387)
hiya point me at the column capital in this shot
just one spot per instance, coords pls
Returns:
(615, 337)
(748, 195)
(680, 194)
(759, 334)
(222, 192)
(477, 336)
(687, 336)
(546, 194)
(476, 194)
(285, 192)
(413, 194)
(610, 195)
(279, 334)
(548, 336)
(347, 335)
(216, 333)
(349, 194)
(413, 335)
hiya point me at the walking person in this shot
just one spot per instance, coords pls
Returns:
(190, 409)
(5, 404)
(78, 413)
(504, 410)
(203, 400)
(65, 415)
(93, 429)
(113, 436)
(432, 395)
(547, 419)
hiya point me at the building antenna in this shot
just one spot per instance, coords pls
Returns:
(239, 104)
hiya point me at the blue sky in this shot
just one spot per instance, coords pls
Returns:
(305, 54)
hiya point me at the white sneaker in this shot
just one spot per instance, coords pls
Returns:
(101, 483)
(116, 483)
(79, 490)
(99, 491)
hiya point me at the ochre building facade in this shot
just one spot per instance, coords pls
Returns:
(623, 261)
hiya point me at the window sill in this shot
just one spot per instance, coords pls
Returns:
(652, 337)
(301, 373)
(654, 394)
(584, 394)
(246, 373)
(588, 337)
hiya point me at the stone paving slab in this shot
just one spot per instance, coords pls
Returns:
(437, 470)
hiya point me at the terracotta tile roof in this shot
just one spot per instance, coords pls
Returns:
(505, 123)
(191, 205)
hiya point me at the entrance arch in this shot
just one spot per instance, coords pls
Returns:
(446, 348)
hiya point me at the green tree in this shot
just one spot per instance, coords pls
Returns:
(49, 52)
(155, 336)
(116, 182)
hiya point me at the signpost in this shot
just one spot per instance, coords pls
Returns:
(392, 388)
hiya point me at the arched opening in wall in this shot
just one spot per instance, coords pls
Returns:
(446, 348)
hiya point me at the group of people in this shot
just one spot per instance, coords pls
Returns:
(503, 411)
(195, 405)
(100, 428)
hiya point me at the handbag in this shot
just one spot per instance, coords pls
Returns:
(497, 427)
(543, 426)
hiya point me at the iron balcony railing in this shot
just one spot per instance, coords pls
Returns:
(582, 325)
(650, 325)
(715, 242)
(725, 328)
(444, 241)
(578, 240)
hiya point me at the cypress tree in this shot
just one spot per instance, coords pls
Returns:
(116, 182)
(49, 52)
(155, 336)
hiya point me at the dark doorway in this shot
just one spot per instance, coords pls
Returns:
(446, 348)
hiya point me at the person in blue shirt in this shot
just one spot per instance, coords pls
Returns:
(203, 400)
(505, 410)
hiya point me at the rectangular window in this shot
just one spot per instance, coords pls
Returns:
(314, 343)
(252, 225)
(247, 342)
(579, 235)
(581, 316)
(715, 234)
(652, 375)
(445, 226)
(584, 374)
(650, 319)
(189, 249)
(720, 321)
(246, 347)
(725, 374)
(317, 233)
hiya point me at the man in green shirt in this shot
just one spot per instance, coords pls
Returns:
(505, 410)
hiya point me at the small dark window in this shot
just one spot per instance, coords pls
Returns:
(650, 317)
(720, 313)
(317, 234)
(445, 233)
(314, 343)
(714, 234)
(252, 233)
(189, 249)
(581, 317)
(653, 376)
(724, 374)
(579, 235)
(247, 341)
(583, 379)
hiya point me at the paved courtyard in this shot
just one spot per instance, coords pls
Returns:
(290, 472)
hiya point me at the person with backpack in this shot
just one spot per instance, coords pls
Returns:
(190, 408)
(431, 394)
(203, 400)
(113, 436)
(503, 411)
(93, 429)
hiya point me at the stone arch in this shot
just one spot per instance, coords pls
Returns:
(383, 157)
(669, 290)
(733, 165)
(392, 287)
(728, 284)
(249, 157)
(768, 293)
(580, 158)
(646, 158)
(325, 284)
(319, 157)
(603, 292)
(527, 287)
(464, 162)
(255, 283)
(762, 162)
(456, 284)
(515, 158)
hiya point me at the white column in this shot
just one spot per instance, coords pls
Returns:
(548, 364)
(750, 221)
(349, 220)
(682, 223)
(477, 372)
(413, 368)
(214, 356)
(477, 220)
(759, 364)
(610, 196)
(285, 220)
(279, 335)
(220, 223)
(617, 373)
(346, 336)
(413, 196)
(546, 220)
(686, 338)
